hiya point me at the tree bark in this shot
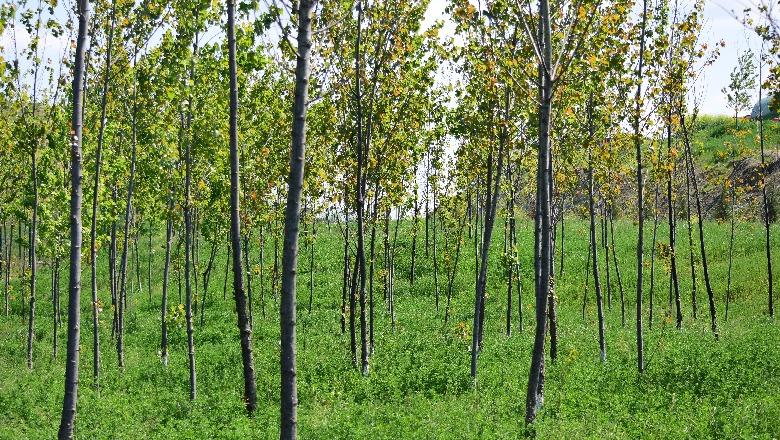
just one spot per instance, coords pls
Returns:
(74, 294)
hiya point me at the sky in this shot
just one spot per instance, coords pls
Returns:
(720, 24)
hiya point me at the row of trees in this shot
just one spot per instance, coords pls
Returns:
(187, 128)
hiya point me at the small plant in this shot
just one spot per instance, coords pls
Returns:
(176, 316)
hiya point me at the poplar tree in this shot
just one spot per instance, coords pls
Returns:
(74, 296)
(250, 387)
(289, 386)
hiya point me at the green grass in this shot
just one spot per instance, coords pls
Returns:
(715, 136)
(419, 384)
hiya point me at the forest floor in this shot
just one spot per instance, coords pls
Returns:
(419, 384)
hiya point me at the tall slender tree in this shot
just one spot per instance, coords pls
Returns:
(74, 293)
(95, 195)
(289, 387)
(640, 204)
(245, 330)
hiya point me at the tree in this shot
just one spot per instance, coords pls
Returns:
(550, 72)
(289, 388)
(250, 387)
(640, 196)
(743, 81)
(74, 295)
(95, 195)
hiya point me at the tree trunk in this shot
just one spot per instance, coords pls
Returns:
(362, 155)
(188, 224)
(33, 258)
(595, 258)
(7, 266)
(732, 195)
(122, 298)
(415, 223)
(244, 326)
(704, 266)
(552, 301)
(652, 258)
(765, 203)
(690, 239)
(640, 204)
(262, 270)
(166, 272)
(605, 244)
(543, 236)
(587, 266)
(55, 269)
(510, 251)
(490, 213)
(311, 261)
(386, 243)
(149, 264)
(673, 234)
(427, 208)
(435, 254)
(137, 257)
(617, 268)
(374, 219)
(248, 268)
(95, 196)
(227, 267)
(345, 286)
(74, 311)
(453, 271)
(206, 278)
(289, 388)
(392, 268)
(112, 275)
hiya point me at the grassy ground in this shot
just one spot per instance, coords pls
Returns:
(715, 135)
(419, 384)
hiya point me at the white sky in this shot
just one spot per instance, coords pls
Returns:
(719, 25)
